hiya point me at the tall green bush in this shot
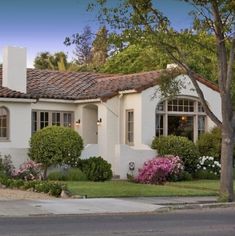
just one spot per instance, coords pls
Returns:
(55, 145)
(96, 169)
(209, 144)
(178, 146)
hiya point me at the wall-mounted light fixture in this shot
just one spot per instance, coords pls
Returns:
(99, 121)
(184, 119)
(78, 122)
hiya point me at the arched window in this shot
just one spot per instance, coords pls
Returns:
(4, 123)
(180, 116)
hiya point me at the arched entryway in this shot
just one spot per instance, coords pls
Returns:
(89, 124)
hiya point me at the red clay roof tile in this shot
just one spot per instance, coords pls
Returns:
(83, 85)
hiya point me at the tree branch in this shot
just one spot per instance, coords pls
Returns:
(230, 65)
(193, 76)
(222, 54)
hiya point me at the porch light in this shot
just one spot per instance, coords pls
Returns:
(78, 122)
(99, 121)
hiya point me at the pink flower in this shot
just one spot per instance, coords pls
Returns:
(160, 169)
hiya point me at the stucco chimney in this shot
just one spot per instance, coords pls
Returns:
(14, 68)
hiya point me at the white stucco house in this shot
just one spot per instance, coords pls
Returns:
(115, 114)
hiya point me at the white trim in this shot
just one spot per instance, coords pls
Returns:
(17, 100)
(88, 100)
(55, 100)
(127, 91)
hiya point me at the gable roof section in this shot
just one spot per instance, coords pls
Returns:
(83, 85)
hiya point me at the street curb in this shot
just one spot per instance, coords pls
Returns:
(196, 206)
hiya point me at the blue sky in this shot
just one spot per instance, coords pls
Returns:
(42, 25)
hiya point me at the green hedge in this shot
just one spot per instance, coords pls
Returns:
(96, 169)
(209, 144)
(73, 174)
(178, 146)
(52, 188)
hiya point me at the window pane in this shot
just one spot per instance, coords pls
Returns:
(200, 107)
(159, 125)
(34, 121)
(130, 127)
(160, 107)
(67, 119)
(44, 121)
(201, 125)
(56, 118)
(3, 122)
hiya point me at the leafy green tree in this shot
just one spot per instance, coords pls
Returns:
(42, 61)
(141, 20)
(135, 58)
(56, 61)
(55, 145)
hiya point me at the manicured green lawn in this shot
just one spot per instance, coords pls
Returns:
(120, 188)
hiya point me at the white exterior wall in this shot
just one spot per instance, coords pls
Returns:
(53, 106)
(108, 130)
(132, 102)
(19, 133)
(126, 154)
(149, 105)
(139, 152)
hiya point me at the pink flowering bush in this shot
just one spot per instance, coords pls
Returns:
(160, 169)
(29, 170)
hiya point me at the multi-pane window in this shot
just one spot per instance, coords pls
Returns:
(41, 119)
(181, 105)
(4, 116)
(180, 116)
(130, 127)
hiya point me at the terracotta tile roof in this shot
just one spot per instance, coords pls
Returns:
(84, 85)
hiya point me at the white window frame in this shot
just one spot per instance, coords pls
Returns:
(6, 138)
(165, 113)
(130, 142)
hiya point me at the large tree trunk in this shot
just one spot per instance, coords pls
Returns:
(226, 179)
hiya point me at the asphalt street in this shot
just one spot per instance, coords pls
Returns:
(203, 222)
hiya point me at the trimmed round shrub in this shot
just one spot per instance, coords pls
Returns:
(55, 145)
(209, 144)
(178, 146)
(96, 169)
(160, 169)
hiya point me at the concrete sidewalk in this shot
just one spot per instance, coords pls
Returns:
(98, 205)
